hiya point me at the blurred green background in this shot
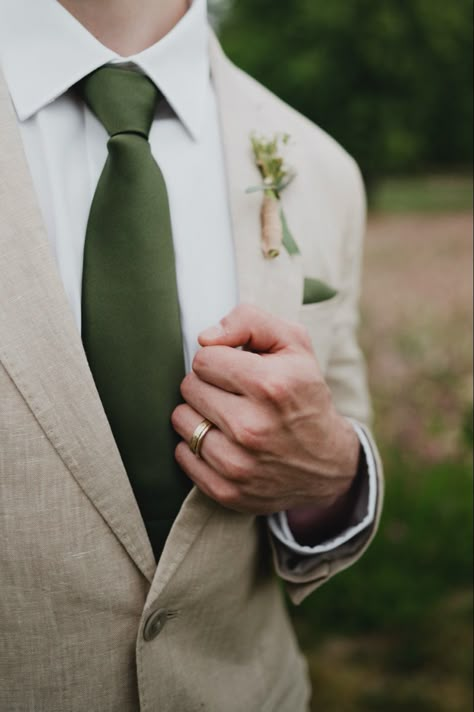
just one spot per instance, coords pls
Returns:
(392, 81)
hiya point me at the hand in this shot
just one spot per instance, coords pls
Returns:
(279, 442)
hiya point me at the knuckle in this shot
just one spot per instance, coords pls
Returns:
(180, 452)
(275, 388)
(236, 468)
(249, 435)
(243, 312)
(227, 496)
(176, 415)
(200, 359)
(230, 500)
(187, 383)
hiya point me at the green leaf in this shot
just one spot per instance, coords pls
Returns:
(289, 242)
(256, 189)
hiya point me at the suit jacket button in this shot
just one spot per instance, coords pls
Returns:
(155, 623)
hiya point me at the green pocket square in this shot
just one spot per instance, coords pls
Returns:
(317, 291)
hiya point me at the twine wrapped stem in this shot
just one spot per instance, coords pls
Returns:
(272, 229)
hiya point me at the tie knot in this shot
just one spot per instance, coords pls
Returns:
(123, 100)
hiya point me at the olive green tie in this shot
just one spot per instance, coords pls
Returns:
(130, 312)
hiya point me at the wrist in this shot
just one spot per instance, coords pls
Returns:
(321, 520)
(345, 446)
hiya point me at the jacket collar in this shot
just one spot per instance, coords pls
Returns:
(178, 64)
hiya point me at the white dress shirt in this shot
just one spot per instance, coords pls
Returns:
(44, 52)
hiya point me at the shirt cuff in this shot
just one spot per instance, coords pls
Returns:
(365, 510)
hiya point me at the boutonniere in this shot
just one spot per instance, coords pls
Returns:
(276, 176)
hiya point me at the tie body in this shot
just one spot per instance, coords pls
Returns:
(130, 312)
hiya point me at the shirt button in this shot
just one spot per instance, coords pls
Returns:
(154, 625)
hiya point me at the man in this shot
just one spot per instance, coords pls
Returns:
(131, 255)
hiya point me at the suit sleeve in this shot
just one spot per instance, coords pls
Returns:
(346, 377)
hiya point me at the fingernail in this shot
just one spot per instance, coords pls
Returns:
(214, 332)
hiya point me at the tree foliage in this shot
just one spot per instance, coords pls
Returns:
(391, 80)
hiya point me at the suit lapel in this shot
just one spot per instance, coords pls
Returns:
(42, 351)
(275, 285)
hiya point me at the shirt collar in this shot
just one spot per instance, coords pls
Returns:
(44, 51)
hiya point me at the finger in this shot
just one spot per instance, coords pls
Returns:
(213, 403)
(255, 329)
(206, 478)
(228, 368)
(185, 421)
(224, 456)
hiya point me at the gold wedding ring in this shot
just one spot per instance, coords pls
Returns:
(197, 438)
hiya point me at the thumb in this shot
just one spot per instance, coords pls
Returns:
(255, 329)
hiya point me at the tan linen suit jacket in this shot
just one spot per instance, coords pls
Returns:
(88, 621)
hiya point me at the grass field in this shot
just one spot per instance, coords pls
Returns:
(425, 194)
(395, 632)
